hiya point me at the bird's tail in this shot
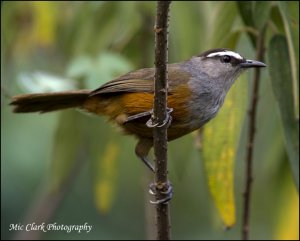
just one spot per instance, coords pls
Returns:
(46, 102)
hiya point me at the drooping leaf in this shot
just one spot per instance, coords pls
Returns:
(282, 83)
(276, 19)
(220, 142)
(290, 16)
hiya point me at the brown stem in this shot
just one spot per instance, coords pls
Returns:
(146, 47)
(160, 114)
(251, 136)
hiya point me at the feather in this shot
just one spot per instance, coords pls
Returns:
(142, 81)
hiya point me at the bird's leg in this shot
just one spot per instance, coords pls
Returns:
(138, 116)
(151, 123)
(162, 191)
(142, 149)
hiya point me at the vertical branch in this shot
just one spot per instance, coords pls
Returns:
(251, 136)
(146, 48)
(160, 116)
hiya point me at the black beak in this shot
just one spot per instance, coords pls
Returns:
(248, 63)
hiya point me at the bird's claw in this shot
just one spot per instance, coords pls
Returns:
(151, 123)
(148, 164)
(163, 192)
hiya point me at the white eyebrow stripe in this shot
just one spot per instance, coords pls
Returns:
(222, 53)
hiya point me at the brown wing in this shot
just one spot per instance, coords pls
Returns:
(133, 94)
(135, 81)
(142, 81)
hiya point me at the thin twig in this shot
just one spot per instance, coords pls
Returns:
(160, 115)
(251, 136)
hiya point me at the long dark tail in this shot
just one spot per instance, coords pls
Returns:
(46, 102)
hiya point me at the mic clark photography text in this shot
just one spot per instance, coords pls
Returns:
(50, 227)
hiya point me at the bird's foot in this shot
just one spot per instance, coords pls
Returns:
(162, 191)
(151, 123)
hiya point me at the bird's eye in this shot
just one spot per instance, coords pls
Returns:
(226, 59)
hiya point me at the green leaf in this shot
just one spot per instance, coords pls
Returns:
(245, 9)
(290, 16)
(276, 19)
(231, 40)
(261, 13)
(281, 78)
(220, 142)
(182, 42)
(225, 14)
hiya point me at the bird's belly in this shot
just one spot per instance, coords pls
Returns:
(136, 103)
(199, 118)
(203, 108)
(141, 130)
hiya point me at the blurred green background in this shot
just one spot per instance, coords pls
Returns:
(73, 168)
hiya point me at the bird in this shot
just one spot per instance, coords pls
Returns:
(197, 89)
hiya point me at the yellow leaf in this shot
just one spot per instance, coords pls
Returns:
(220, 141)
(105, 182)
(288, 220)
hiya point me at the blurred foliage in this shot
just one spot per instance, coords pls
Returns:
(63, 157)
(44, 82)
(106, 183)
(284, 74)
(93, 42)
(107, 65)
